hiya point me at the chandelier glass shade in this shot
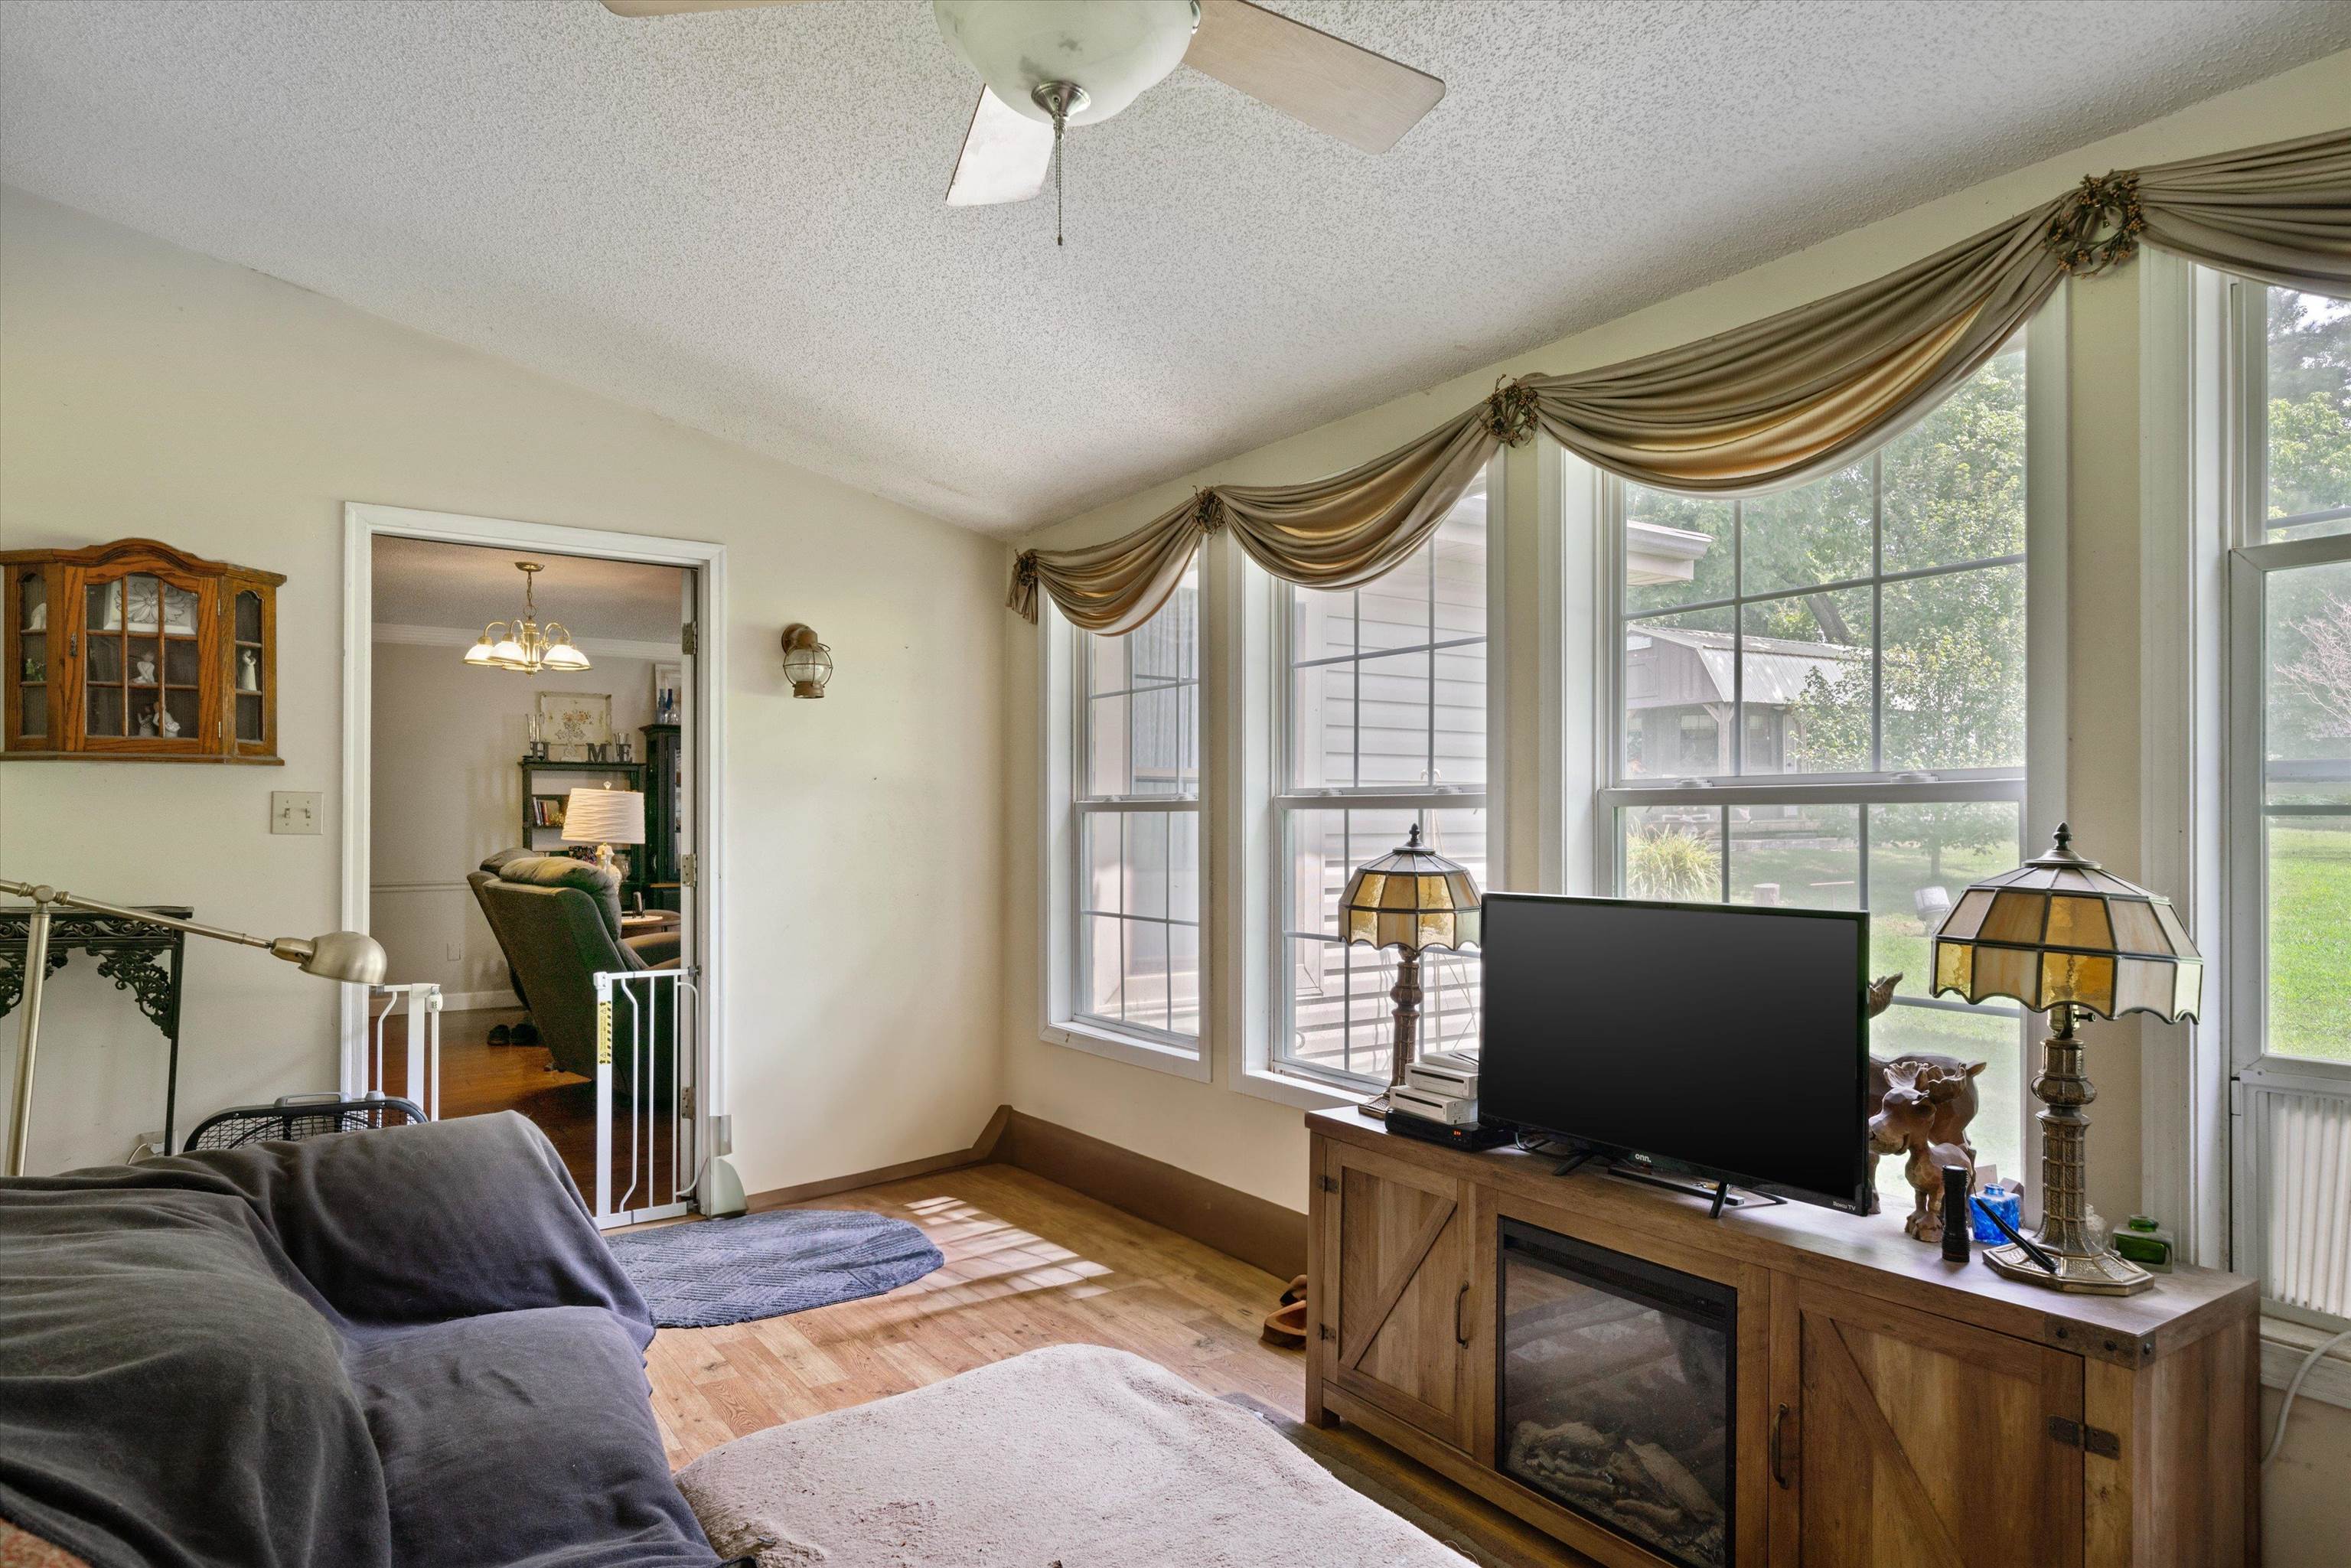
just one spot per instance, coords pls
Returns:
(524, 645)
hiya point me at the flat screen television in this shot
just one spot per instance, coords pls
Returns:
(1729, 1041)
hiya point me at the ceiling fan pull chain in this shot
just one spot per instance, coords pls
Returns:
(1058, 117)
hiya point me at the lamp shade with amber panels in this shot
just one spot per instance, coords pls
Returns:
(2060, 929)
(1414, 900)
(2065, 937)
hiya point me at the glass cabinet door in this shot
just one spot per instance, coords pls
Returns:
(142, 670)
(31, 674)
(249, 667)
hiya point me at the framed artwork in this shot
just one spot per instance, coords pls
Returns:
(569, 723)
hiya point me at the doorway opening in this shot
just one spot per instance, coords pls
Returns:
(529, 821)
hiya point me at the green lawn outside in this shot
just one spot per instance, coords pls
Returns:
(2310, 938)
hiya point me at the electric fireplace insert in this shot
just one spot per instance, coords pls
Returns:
(1615, 1389)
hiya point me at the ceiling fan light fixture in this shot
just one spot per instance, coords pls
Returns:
(1111, 50)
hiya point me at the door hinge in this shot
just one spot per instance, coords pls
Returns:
(685, 871)
(686, 638)
(1330, 1184)
(2090, 1439)
(685, 1101)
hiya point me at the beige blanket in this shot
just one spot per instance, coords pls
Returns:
(1075, 1456)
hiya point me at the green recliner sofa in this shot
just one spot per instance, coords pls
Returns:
(558, 921)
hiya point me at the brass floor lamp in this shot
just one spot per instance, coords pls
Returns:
(350, 955)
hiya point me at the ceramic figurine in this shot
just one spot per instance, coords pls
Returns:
(248, 671)
(171, 725)
(38, 618)
(142, 670)
(146, 730)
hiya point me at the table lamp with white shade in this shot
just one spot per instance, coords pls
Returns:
(604, 818)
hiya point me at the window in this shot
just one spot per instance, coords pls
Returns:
(1382, 722)
(2289, 833)
(1135, 806)
(1820, 702)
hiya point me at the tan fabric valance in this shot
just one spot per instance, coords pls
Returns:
(1765, 406)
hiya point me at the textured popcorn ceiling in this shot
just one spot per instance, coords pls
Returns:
(737, 220)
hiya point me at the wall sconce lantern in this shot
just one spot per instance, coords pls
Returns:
(808, 663)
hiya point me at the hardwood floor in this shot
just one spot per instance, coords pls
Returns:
(1029, 1264)
(477, 1077)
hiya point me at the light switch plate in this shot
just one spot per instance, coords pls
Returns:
(295, 811)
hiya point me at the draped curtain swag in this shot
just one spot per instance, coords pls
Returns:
(1759, 408)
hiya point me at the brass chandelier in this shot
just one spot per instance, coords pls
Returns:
(524, 645)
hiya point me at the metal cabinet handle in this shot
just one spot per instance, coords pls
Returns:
(1779, 1456)
(1461, 1333)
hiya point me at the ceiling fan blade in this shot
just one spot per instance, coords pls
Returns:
(678, 7)
(1366, 99)
(1005, 157)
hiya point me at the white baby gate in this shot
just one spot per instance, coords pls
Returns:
(648, 1142)
(423, 1053)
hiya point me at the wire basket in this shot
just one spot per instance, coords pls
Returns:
(293, 1116)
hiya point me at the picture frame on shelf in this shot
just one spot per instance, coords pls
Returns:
(573, 725)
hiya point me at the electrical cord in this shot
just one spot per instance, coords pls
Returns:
(2286, 1408)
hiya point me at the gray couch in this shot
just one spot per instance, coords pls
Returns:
(558, 921)
(370, 1350)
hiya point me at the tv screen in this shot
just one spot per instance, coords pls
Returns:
(1728, 1040)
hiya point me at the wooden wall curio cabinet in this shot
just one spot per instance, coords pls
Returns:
(137, 652)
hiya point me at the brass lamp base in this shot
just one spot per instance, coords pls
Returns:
(2065, 1237)
(2105, 1274)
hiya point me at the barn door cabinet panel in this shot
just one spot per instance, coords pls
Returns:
(1550, 1344)
(137, 652)
(1901, 1431)
(1393, 1328)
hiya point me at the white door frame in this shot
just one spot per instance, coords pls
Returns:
(363, 522)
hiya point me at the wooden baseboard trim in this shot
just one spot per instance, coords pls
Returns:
(981, 1151)
(1264, 1235)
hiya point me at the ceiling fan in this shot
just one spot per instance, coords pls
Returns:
(1049, 64)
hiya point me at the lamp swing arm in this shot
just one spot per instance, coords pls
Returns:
(294, 949)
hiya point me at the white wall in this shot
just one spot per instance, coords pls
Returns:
(145, 390)
(447, 792)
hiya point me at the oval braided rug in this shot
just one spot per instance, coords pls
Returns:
(701, 1275)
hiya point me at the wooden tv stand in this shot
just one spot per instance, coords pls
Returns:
(1920, 1413)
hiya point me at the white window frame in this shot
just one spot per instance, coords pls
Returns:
(2252, 557)
(1267, 1060)
(1061, 736)
(2039, 788)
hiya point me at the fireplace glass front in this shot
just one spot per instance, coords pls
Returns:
(1615, 1389)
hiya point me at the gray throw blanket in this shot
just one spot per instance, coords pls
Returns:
(374, 1349)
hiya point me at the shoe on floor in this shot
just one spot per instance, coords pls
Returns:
(501, 1035)
(526, 1033)
(1286, 1326)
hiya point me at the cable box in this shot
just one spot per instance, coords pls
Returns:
(1474, 1138)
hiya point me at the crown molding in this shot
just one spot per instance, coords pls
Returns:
(458, 637)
